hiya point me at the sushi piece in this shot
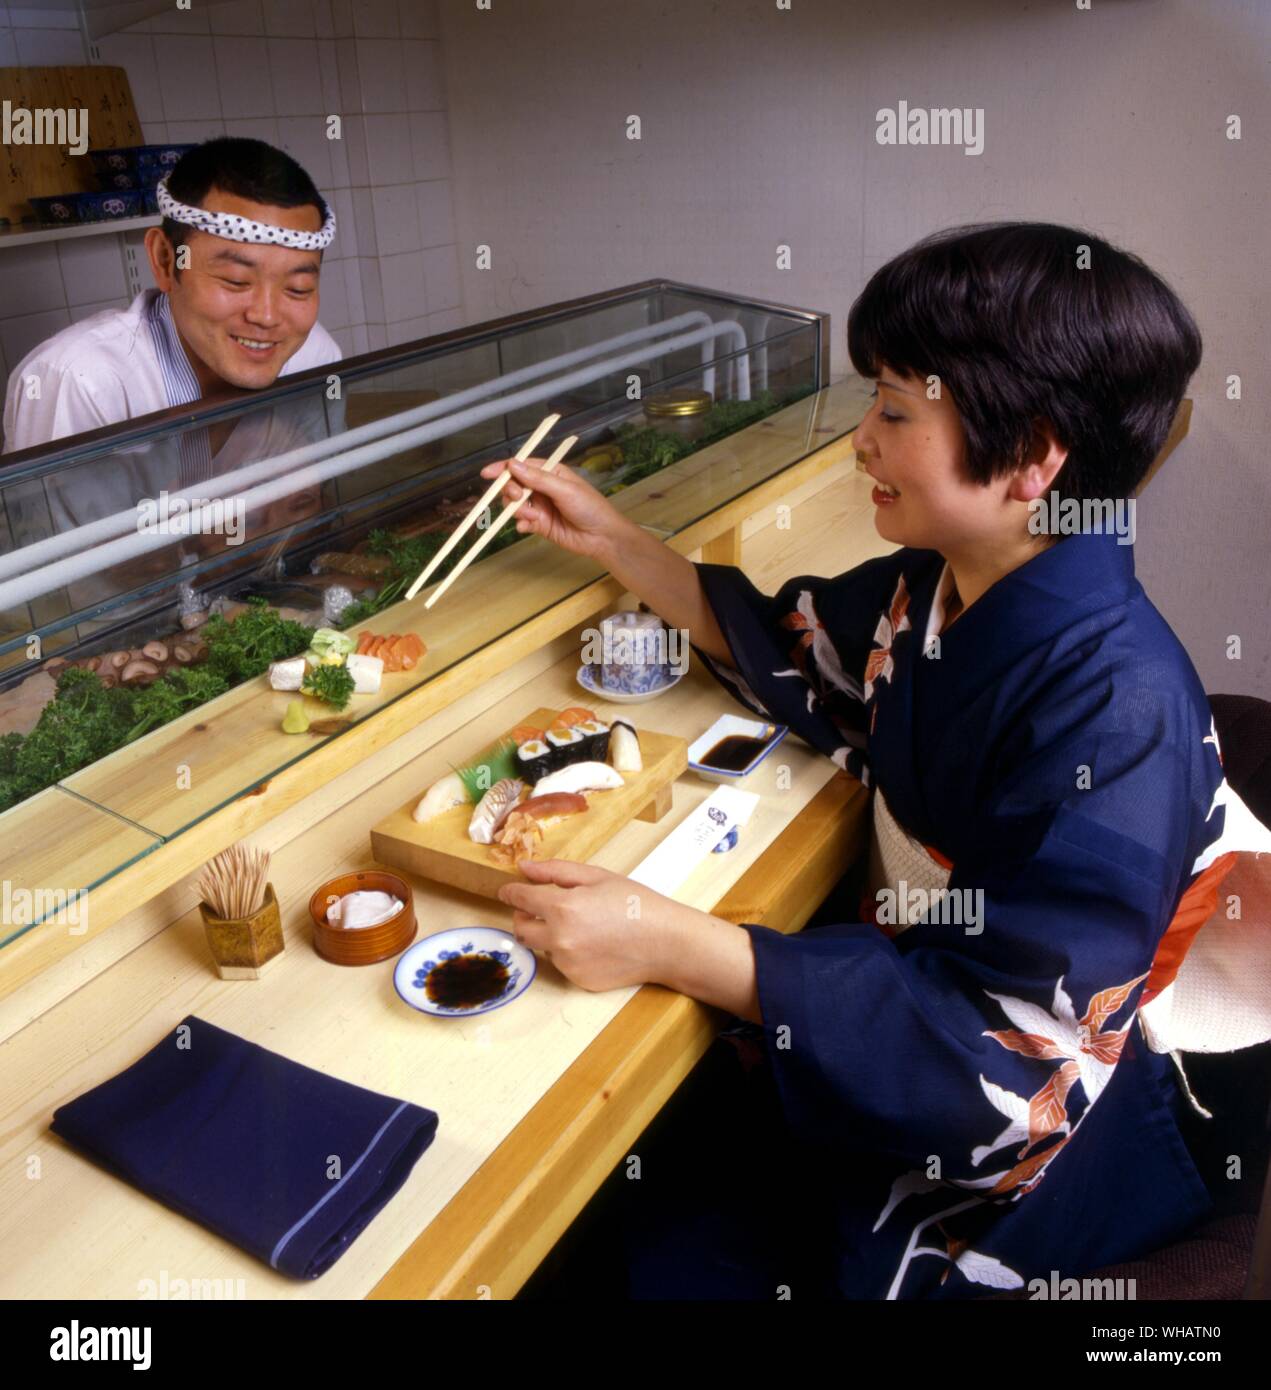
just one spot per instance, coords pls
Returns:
(596, 735)
(575, 714)
(624, 744)
(553, 806)
(493, 808)
(567, 746)
(533, 759)
(580, 777)
(442, 796)
(523, 733)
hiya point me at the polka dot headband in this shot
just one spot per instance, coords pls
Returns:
(235, 228)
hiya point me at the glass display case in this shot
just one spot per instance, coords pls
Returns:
(150, 571)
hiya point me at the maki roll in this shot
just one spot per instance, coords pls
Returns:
(596, 735)
(624, 743)
(567, 745)
(533, 760)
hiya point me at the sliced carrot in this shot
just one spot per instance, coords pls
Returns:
(377, 647)
(363, 642)
(416, 646)
(395, 654)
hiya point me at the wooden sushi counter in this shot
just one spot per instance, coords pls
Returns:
(537, 1101)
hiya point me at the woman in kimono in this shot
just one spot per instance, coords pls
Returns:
(969, 1100)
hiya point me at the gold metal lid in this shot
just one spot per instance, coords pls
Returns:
(682, 400)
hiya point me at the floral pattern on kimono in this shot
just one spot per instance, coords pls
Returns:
(1087, 1054)
(879, 666)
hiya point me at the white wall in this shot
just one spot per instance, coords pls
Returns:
(758, 129)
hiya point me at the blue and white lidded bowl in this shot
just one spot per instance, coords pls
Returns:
(636, 653)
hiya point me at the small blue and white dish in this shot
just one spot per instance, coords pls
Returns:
(734, 726)
(414, 966)
(590, 682)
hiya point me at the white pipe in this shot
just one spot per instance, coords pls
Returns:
(105, 528)
(35, 582)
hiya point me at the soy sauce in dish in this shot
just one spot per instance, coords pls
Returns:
(734, 753)
(465, 981)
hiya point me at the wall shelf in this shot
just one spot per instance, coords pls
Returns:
(28, 234)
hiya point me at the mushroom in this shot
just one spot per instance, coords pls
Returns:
(91, 664)
(156, 651)
(189, 621)
(189, 653)
(116, 661)
(55, 665)
(139, 672)
(109, 681)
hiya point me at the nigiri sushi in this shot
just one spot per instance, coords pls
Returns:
(493, 808)
(444, 794)
(579, 777)
(624, 746)
(553, 807)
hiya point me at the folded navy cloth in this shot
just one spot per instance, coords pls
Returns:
(282, 1160)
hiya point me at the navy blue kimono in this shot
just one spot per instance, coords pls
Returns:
(988, 1104)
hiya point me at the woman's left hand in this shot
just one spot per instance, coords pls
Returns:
(601, 930)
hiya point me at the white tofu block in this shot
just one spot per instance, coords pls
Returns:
(366, 672)
(287, 675)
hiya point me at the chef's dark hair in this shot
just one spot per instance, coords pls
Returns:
(1017, 331)
(245, 168)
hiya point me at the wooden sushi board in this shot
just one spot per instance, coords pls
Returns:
(440, 848)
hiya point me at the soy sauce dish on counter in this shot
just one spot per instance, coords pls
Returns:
(464, 971)
(733, 747)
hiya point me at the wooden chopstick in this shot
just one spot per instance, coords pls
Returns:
(509, 511)
(484, 501)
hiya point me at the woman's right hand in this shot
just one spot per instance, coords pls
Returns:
(564, 508)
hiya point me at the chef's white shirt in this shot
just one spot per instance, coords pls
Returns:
(111, 367)
(123, 363)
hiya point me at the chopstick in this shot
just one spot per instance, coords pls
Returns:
(509, 511)
(481, 504)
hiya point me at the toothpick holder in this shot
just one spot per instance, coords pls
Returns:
(243, 946)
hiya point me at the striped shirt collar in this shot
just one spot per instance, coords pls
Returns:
(179, 382)
(182, 388)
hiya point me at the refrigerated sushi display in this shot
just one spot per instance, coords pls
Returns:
(154, 572)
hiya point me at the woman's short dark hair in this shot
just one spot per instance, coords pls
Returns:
(241, 167)
(1017, 331)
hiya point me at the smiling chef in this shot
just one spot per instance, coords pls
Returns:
(236, 265)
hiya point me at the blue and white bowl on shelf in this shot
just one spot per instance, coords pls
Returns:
(410, 974)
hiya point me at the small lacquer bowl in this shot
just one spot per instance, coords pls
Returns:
(363, 945)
